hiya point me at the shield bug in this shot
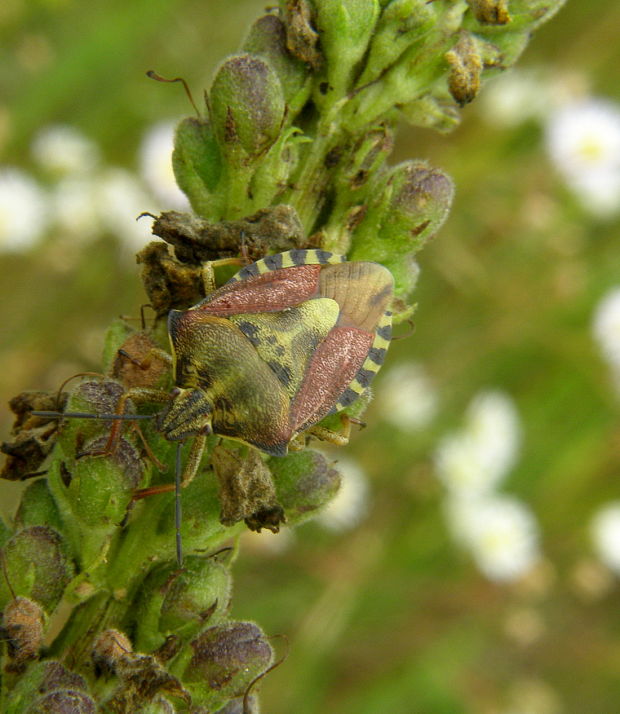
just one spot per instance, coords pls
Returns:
(288, 340)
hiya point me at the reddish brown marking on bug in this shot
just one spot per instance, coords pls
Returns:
(332, 368)
(270, 292)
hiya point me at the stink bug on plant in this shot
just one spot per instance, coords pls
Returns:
(288, 340)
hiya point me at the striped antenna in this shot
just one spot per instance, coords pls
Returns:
(90, 415)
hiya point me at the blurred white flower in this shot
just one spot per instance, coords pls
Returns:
(583, 142)
(407, 398)
(350, 504)
(75, 208)
(605, 533)
(606, 329)
(514, 97)
(475, 459)
(120, 200)
(156, 166)
(23, 210)
(500, 532)
(62, 149)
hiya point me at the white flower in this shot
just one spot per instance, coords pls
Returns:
(583, 141)
(407, 397)
(350, 504)
(75, 208)
(475, 459)
(500, 532)
(514, 97)
(606, 327)
(121, 200)
(156, 166)
(63, 149)
(23, 210)
(605, 533)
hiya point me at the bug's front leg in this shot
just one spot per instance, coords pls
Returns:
(208, 272)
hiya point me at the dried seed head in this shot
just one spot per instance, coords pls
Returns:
(22, 625)
(465, 69)
(110, 649)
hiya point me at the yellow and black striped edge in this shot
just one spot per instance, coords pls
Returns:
(290, 259)
(372, 364)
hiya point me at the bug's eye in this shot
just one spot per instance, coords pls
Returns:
(206, 430)
(175, 392)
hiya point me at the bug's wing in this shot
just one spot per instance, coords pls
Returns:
(275, 283)
(343, 365)
(332, 368)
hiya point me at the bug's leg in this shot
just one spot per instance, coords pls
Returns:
(193, 460)
(147, 360)
(142, 394)
(337, 438)
(208, 272)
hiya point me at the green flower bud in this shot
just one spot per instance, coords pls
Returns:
(197, 165)
(345, 29)
(36, 566)
(37, 507)
(181, 602)
(92, 396)
(267, 38)
(225, 659)
(432, 113)
(246, 105)
(23, 627)
(411, 207)
(402, 23)
(305, 481)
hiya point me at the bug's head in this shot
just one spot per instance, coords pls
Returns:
(187, 414)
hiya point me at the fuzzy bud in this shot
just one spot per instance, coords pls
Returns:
(304, 482)
(36, 566)
(401, 24)
(63, 701)
(345, 29)
(225, 659)
(411, 207)
(37, 507)
(42, 679)
(181, 602)
(110, 649)
(22, 625)
(267, 38)
(197, 165)
(246, 105)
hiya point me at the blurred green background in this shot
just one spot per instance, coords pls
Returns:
(388, 615)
